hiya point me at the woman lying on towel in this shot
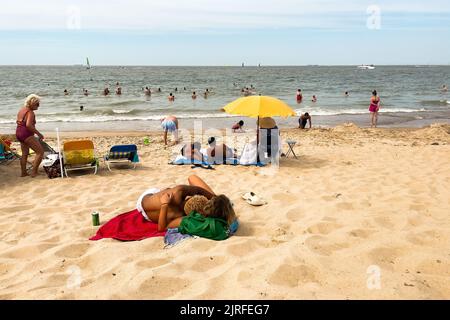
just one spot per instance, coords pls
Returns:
(168, 207)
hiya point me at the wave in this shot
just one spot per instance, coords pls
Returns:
(434, 102)
(321, 112)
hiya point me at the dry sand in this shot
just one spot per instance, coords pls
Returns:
(356, 198)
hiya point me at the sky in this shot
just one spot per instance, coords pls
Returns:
(224, 32)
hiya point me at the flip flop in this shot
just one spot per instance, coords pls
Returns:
(248, 196)
(254, 200)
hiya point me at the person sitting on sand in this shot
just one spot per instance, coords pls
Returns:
(238, 127)
(192, 151)
(304, 118)
(25, 131)
(170, 124)
(171, 97)
(168, 207)
(218, 153)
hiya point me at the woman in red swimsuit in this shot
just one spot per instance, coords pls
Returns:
(26, 121)
(374, 108)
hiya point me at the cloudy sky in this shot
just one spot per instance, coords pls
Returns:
(224, 32)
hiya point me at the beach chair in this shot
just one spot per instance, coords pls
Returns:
(79, 155)
(7, 155)
(122, 154)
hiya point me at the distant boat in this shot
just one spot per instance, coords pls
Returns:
(88, 65)
(366, 67)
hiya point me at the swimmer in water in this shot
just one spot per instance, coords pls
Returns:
(314, 99)
(194, 95)
(299, 96)
(171, 97)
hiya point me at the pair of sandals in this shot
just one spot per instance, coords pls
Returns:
(253, 199)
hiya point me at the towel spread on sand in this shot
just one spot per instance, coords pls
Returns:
(130, 226)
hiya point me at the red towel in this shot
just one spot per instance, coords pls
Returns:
(130, 226)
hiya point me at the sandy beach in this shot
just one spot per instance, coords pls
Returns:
(356, 200)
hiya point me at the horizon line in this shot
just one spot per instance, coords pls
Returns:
(240, 66)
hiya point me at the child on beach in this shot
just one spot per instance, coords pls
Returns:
(374, 108)
(167, 207)
(238, 127)
(170, 124)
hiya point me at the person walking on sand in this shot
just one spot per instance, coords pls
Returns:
(170, 124)
(374, 108)
(25, 131)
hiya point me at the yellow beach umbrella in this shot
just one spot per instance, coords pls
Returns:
(259, 106)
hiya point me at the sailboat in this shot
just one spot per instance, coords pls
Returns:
(88, 65)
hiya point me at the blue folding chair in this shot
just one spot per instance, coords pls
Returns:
(122, 154)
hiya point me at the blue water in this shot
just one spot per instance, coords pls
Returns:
(403, 90)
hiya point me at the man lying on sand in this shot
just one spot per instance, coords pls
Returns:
(167, 207)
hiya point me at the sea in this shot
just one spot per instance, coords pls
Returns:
(411, 96)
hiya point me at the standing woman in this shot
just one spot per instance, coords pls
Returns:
(374, 108)
(26, 121)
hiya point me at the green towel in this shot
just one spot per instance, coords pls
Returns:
(197, 225)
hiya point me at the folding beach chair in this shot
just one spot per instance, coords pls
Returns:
(122, 154)
(79, 155)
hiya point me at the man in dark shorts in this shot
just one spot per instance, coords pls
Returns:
(304, 118)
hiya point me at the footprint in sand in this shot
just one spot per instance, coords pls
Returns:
(323, 246)
(283, 197)
(361, 233)
(73, 250)
(295, 214)
(293, 275)
(27, 252)
(162, 287)
(243, 248)
(385, 257)
(207, 263)
(152, 263)
(19, 208)
(323, 228)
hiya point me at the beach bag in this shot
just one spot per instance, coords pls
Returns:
(196, 224)
(52, 167)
